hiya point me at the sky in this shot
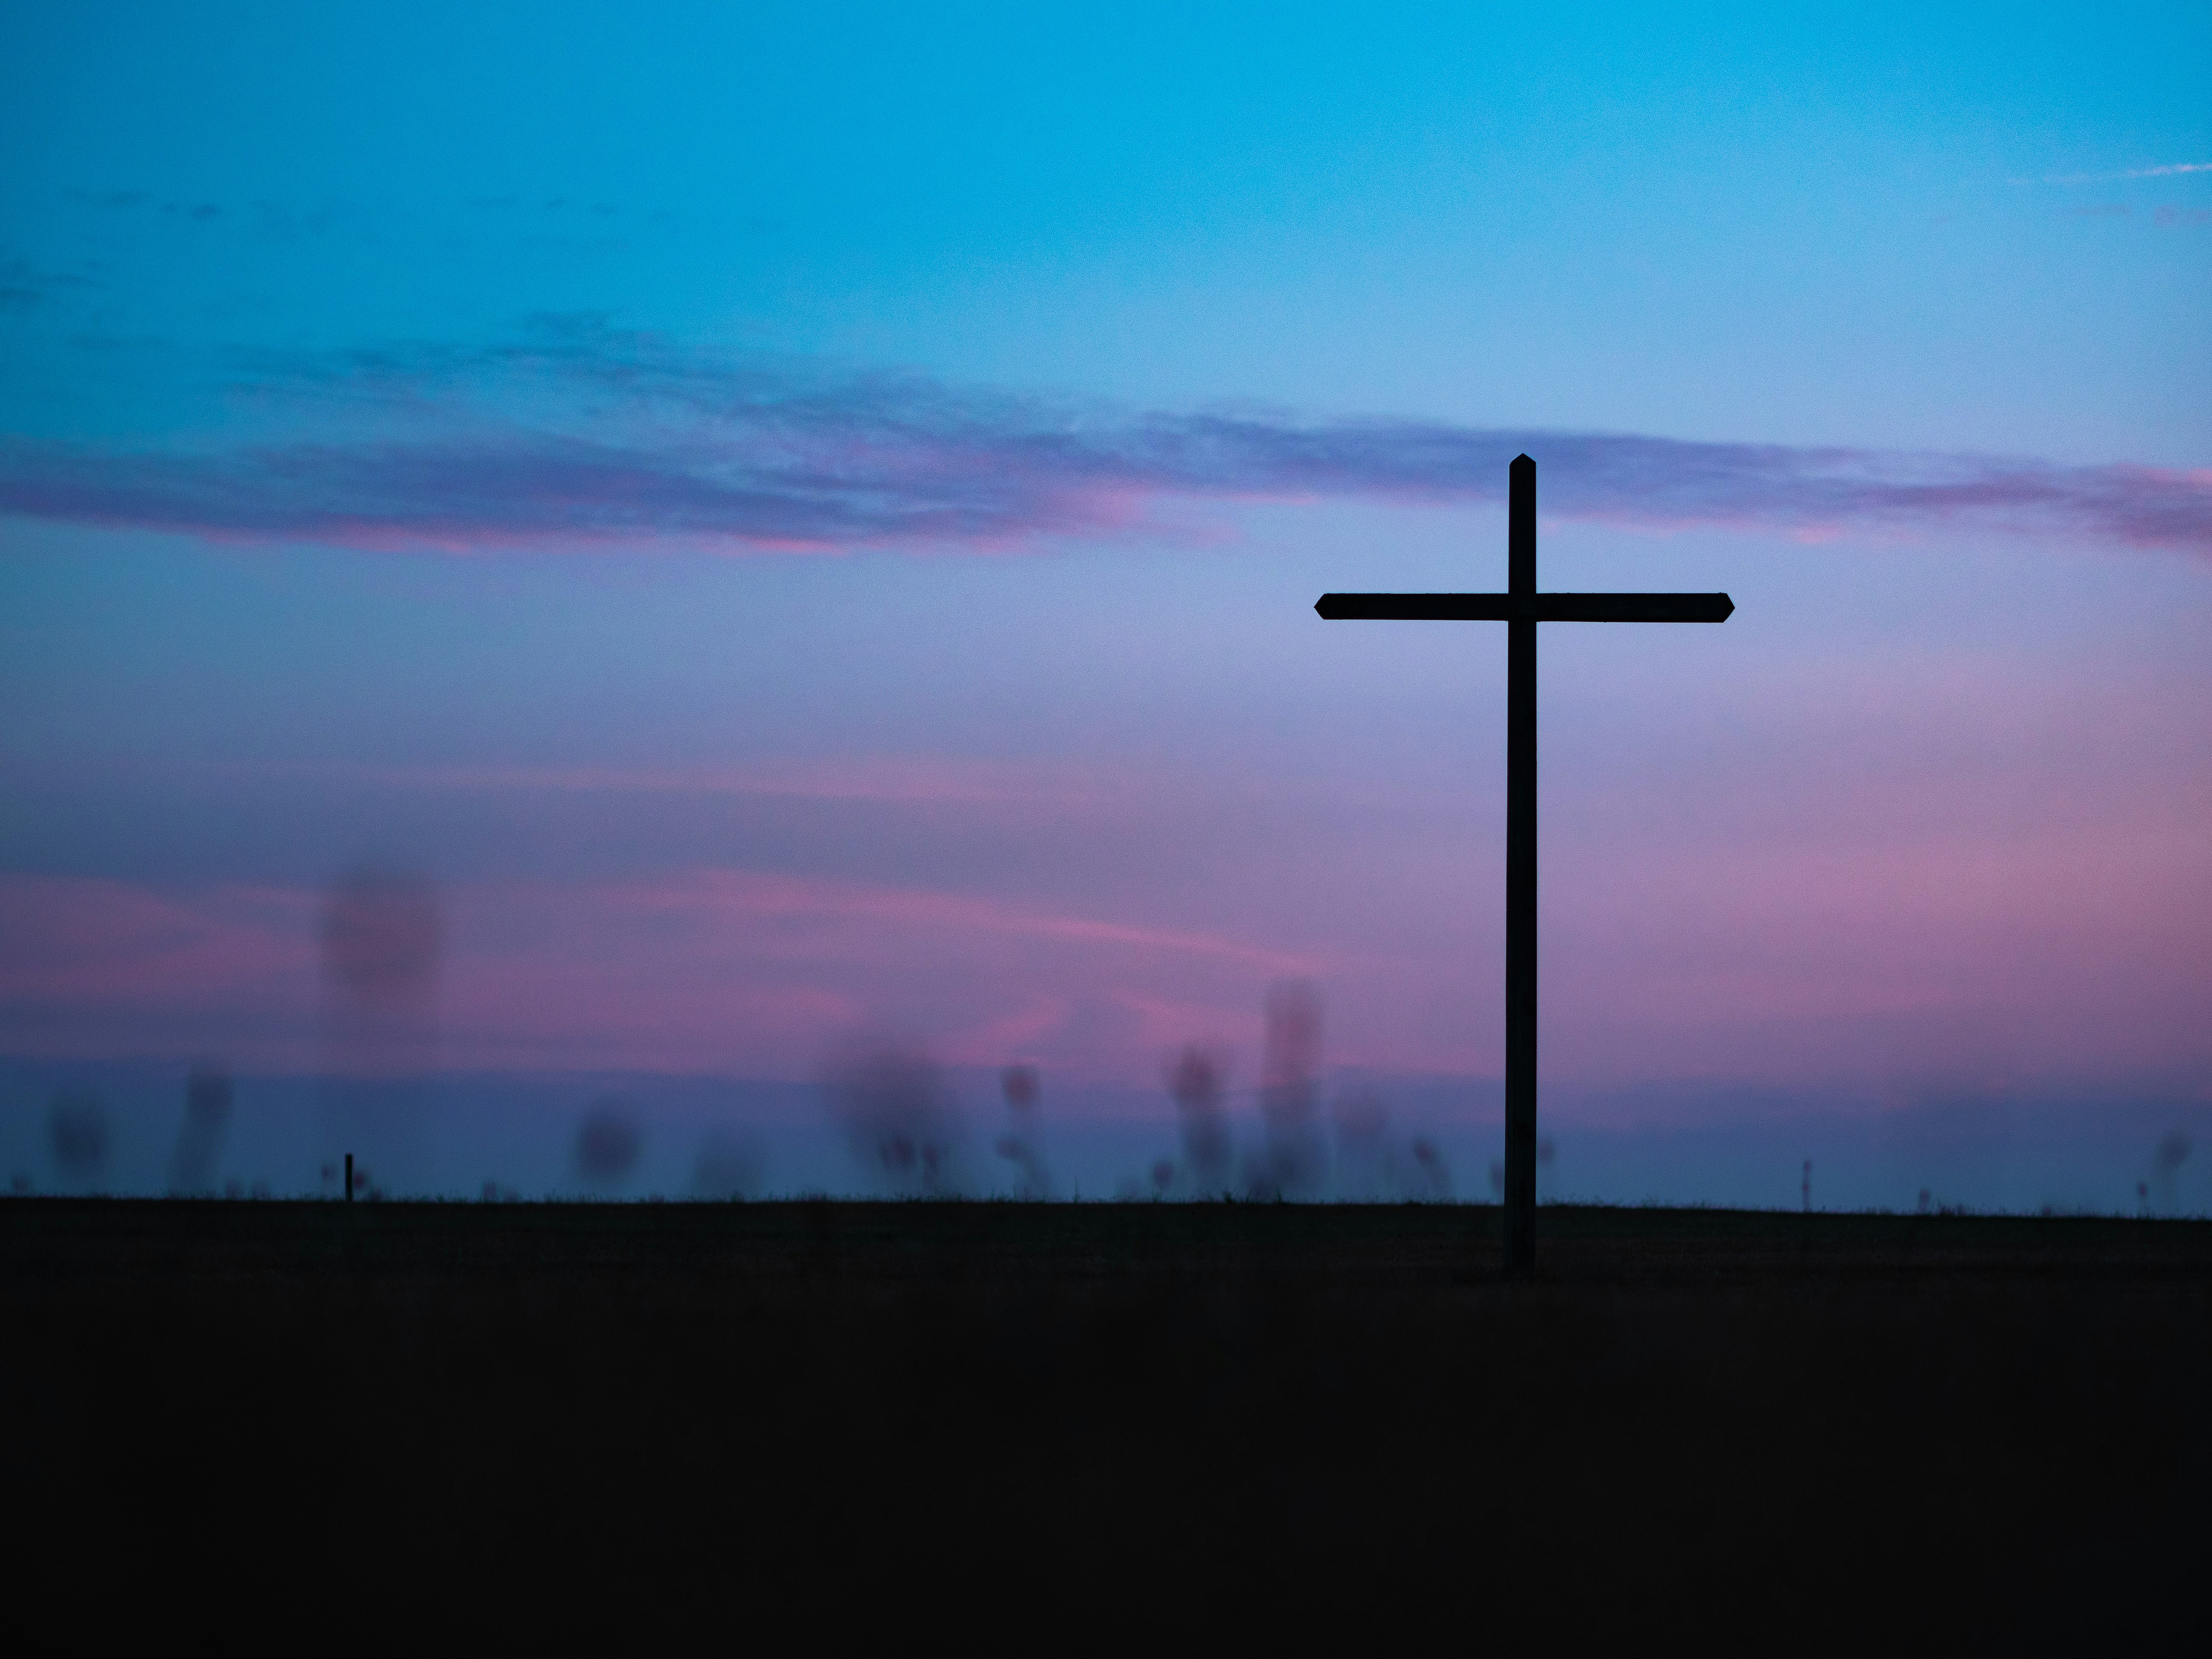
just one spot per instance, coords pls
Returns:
(752, 530)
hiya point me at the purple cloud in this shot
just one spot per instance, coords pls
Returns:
(591, 437)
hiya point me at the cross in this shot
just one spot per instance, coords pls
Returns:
(1521, 607)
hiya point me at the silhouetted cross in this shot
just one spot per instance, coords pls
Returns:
(1521, 607)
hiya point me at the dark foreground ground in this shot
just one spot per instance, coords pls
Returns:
(1029, 1422)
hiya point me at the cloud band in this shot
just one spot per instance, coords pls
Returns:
(602, 440)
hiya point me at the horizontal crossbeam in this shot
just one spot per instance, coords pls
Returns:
(1536, 607)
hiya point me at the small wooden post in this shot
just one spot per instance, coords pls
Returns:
(348, 1177)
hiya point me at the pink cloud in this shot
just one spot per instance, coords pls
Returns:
(1775, 961)
(2072, 948)
(1808, 920)
(715, 970)
(99, 967)
(108, 943)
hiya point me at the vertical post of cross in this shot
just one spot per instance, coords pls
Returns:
(1520, 872)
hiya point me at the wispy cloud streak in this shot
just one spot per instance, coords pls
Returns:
(2174, 170)
(875, 781)
(597, 439)
(691, 970)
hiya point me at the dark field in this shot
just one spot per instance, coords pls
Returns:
(1173, 1418)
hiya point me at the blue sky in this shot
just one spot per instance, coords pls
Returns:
(1700, 223)
(805, 521)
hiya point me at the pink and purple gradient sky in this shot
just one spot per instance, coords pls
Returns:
(800, 525)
